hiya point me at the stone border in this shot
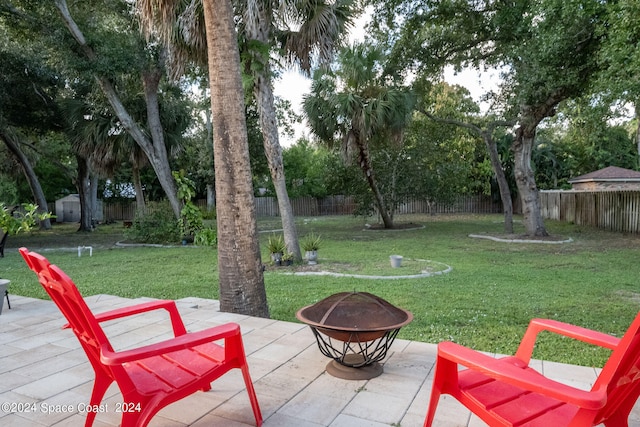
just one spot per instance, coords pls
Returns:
(448, 269)
(498, 239)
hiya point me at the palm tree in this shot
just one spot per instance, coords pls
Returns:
(239, 263)
(101, 147)
(367, 112)
(317, 28)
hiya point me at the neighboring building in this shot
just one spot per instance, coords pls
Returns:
(68, 209)
(609, 178)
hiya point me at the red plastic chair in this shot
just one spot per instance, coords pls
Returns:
(507, 392)
(153, 376)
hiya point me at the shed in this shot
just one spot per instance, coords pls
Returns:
(68, 208)
(609, 178)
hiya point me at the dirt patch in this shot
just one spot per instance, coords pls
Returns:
(631, 296)
(398, 226)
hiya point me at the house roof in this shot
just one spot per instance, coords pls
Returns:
(608, 174)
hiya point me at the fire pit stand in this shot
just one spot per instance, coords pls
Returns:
(355, 329)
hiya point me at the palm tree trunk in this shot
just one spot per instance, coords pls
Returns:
(266, 109)
(364, 160)
(258, 29)
(239, 263)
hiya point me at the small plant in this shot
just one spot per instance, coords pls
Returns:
(14, 221)
(206, 237)
(287, 256)
(190, 216)
(276, 244)
(311, 242)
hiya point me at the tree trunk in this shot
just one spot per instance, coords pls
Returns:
(505, 192)
(522, 147)
(263, 92)
(239, 263)
(36, 189)
(269, 128)
(155, 150)
(364, 161)
(530, 118)
(137, 185)
(93, 187)
(637, 110)
(84, 191)
(211, 197)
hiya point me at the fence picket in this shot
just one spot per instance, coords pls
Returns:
(332, 205)
(614, 210)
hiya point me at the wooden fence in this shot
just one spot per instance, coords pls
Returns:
(609, 210)
(333, 205)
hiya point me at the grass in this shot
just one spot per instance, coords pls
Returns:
(485, 302)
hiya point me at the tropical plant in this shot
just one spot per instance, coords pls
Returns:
(311, 242)
(190, 216)
(275, 244)
(301, 30)
(179, 24)
(359, 107)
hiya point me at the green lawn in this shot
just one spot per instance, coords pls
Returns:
(484, 302)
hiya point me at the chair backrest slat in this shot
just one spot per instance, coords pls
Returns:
(66, 296)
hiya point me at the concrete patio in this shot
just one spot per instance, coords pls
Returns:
(43, 369)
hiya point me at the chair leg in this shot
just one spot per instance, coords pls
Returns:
(100, 386)
(252, 394)
(433, 405)
(6, 294)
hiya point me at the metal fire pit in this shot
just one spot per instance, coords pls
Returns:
(355, 329)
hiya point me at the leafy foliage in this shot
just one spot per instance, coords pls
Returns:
(190, 221)
(156, 224)
(14, 220)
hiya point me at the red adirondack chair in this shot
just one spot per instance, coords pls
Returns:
(507, 392)
(153, 376)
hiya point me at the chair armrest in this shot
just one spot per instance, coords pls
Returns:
(182, 342)
(525, 350)
(511, 374)
(169, 305)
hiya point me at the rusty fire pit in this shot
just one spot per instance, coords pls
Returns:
(355, 329)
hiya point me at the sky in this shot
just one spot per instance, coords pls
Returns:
(292, 86)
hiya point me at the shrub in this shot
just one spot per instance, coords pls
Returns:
(15, 220)
(156, 224)
(206, 237)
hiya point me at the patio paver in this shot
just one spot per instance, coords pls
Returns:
(42, 367)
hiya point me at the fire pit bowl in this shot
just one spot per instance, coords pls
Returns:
(355, 329)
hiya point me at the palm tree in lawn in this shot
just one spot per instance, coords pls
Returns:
(240, 274)
(355, 105)
(305, 31)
